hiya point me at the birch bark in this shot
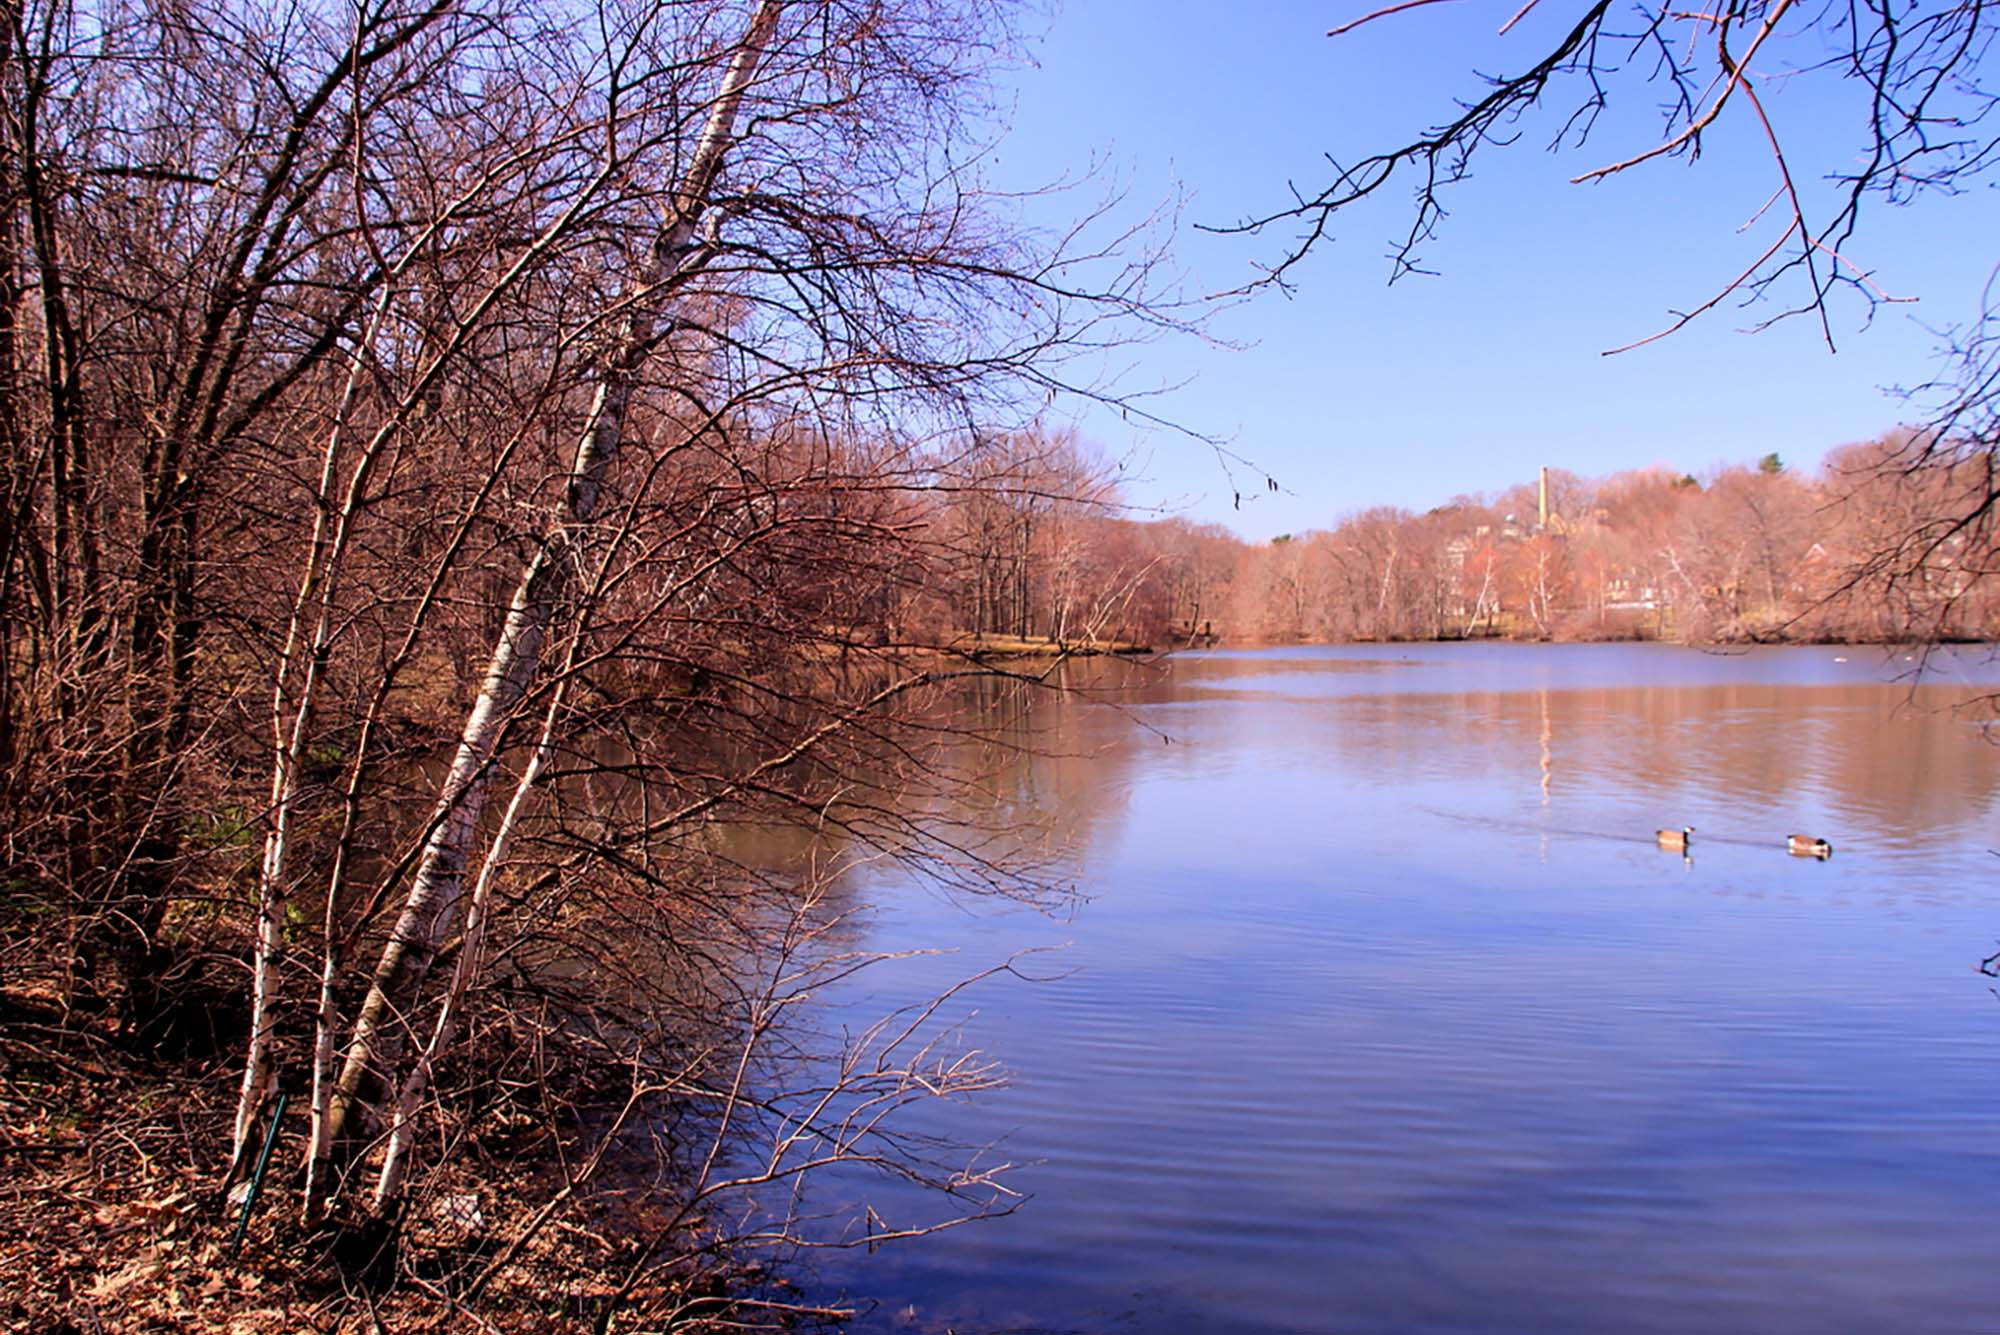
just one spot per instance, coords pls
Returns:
(288, 747)
(430, 909)
(471, 956)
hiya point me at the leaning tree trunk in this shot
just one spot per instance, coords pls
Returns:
(430, 909)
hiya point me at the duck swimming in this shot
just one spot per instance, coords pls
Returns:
(1805, 846)
(1677, 840)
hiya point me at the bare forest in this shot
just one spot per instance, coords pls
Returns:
(482, 489)
(1867, 548)
(1885, 541)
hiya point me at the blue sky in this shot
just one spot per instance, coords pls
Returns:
(1352, 392)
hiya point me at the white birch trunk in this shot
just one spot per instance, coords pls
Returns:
(288, 749)
(1382, 595)
(427, 916)
(471, 957)
(430, 909)
(1479, 603)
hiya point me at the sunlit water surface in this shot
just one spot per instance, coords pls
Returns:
(1385, 1013)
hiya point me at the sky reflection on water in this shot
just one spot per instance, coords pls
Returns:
(1386, 1014)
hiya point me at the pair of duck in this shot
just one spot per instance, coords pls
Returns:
(1798, 845)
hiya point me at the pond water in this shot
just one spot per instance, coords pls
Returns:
(1383, 1011)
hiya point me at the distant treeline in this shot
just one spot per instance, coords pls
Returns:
(1871, 546)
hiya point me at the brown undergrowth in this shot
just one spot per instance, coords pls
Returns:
(110, 1222)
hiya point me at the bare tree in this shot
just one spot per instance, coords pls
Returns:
(1911, 76)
